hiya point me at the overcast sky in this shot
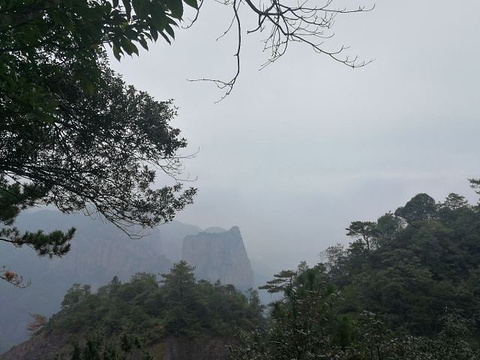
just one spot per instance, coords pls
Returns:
(305, 146)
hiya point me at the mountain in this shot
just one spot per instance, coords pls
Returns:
(219, 255)
(99, 252)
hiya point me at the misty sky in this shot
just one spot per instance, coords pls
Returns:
(305, 146)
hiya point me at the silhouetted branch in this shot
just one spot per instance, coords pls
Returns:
(302, 23)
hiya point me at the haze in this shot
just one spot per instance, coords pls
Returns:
(305, 146)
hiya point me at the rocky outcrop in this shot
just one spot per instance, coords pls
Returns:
(43, 347)
(219, 255)
(37, 348)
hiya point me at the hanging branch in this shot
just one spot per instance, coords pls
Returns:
(301, 23)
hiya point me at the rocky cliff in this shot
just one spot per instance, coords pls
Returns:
(219, 255)
(99, 252)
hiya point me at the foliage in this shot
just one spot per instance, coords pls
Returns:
(72, 133)
(99, 155)
(42, 41)
(308, 324)
(303, 324)
(38, 322)
(95, 155)
(96, 348)
(405, 288)
(151, 309)
(35, 31)
(424, 260)
(375, 341)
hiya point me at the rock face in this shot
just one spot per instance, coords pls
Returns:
(38, 347)
(219, 256)
(99, 252)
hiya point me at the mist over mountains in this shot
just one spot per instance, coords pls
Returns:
(101, 251)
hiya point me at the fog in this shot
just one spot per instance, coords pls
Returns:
(307, 145)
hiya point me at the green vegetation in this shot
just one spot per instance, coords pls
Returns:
(405, 288)
(123, 348)
(94, 157)
(72, 133)
(412, 265)
(151, 310)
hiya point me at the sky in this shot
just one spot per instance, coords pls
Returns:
(307, 145)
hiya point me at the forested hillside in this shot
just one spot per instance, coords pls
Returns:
(413, 265)
(143, 312)
(99, 252)
(407, 287)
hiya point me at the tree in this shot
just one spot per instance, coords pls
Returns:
(181, 294)
(309, 323)
(37, 323)
(455, 202)
(97, 348)
(303, 323)
(37, 37)
(422, 263)
(421, 207)
(122, 318)
(74, 135)
(98, 155)
(77, 293)
(363, 231)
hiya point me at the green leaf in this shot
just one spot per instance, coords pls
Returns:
(166, 38)
(154, 33)
(170, 31)
(107, 8)
(61, 18)
(159, 18)
(128, 8)
(116, 52)
(128, 46)
(143, 42)
(176, 8)
(141, 7)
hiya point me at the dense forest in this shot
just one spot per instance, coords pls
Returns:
(139, 313)
(406, 287)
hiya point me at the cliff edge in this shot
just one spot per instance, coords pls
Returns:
(219, 255)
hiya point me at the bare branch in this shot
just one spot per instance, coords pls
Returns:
(194, 20)
(304, 22)
(228, 85)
